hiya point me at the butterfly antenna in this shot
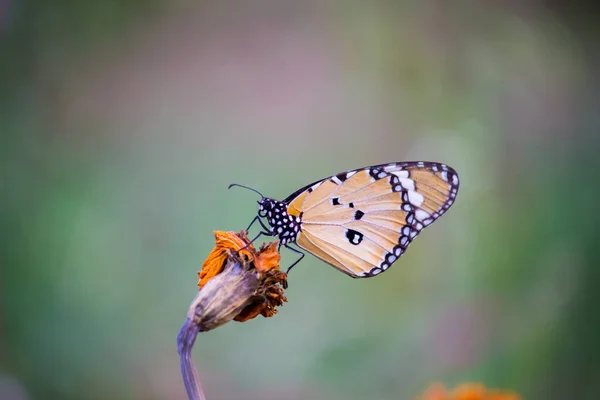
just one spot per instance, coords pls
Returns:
(245, 187)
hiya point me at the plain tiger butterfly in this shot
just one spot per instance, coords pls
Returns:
(360, 221)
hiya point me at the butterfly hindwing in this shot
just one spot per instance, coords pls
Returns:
(352, 255)
(362, 221)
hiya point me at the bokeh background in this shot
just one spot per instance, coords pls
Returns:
(123, 122)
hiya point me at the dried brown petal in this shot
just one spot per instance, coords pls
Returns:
(269, 295)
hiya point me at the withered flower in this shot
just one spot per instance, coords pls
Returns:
(467, 391)
(236, 283)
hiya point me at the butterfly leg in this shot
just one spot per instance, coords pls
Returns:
(265, 231)
(257, 236)
(298, 260)
(257, 218)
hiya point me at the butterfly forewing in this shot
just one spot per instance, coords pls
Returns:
(362, 221)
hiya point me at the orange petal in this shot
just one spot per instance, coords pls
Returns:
(469, 391)
(498, 395)
(224, 242)
(437, 391)
(268, 258)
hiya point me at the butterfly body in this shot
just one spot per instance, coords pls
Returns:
(281, 224)
(361, 221)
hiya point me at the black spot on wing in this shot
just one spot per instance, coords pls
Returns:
(342, 177)
(354, 237)
(377, 173)
(358, 215)
(335, 201)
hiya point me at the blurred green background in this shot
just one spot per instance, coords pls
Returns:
(123, 122)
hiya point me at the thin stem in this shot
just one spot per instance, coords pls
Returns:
(185, 343)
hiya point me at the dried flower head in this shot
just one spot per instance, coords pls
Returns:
(467, 391)
(237, 282)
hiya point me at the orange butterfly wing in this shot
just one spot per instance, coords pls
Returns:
(362, 221)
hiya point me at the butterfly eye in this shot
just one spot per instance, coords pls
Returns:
(263, 208)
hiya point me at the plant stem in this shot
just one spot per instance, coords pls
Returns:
(185, 343)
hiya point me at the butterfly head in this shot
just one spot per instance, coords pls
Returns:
(274, 211)
(265, 205)
(281, 224)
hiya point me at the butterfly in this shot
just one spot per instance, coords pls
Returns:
(360, 221)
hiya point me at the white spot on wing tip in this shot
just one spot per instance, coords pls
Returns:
(421, 215)
(407, 184)
(415, 198)
(401, 174)
(455, 179)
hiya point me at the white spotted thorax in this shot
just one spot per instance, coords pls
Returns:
(286, 227)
